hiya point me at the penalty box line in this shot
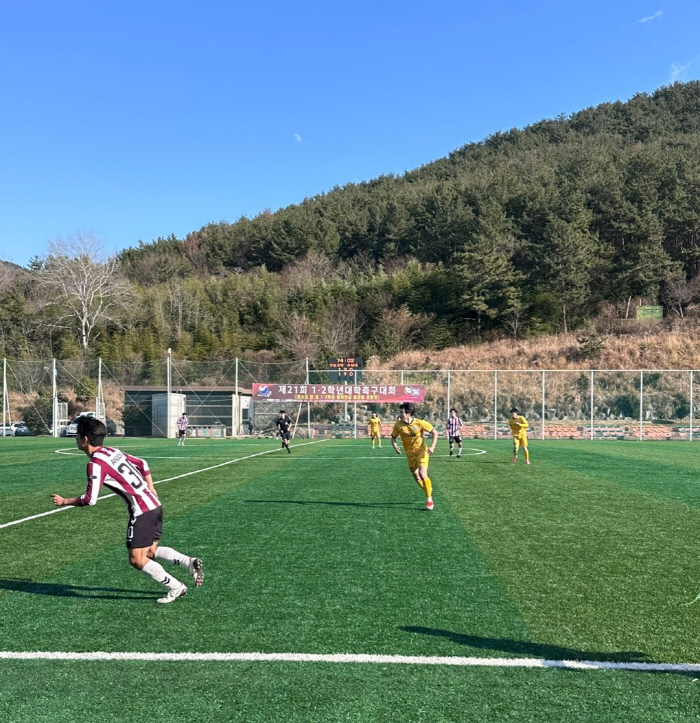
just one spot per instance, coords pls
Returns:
(168, 479)
(349, 658)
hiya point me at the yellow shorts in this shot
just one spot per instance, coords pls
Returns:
(375, 435)
(416, 460)
(521, 440)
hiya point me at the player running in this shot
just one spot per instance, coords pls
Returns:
(284, 424)
(454, 432)
(411, 431)
(518, 427)
(130, 478)
(374, 429)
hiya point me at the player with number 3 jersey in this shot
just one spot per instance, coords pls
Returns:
(130, 478)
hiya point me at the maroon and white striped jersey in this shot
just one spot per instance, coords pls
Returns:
(454, 426)
(123, 474)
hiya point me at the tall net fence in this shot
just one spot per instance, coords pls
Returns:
(216, 395)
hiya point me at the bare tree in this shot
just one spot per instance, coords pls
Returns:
(82, 285)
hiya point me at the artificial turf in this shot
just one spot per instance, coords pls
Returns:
(586, 554)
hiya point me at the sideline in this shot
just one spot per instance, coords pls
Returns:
(355, 658)
(168, 479)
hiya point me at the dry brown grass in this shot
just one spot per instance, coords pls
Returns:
(644, 349)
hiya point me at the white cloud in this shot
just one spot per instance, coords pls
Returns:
(655, 16)
(297, 138)
(678, 72)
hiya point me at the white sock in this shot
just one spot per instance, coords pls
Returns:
(173, 556)
(157, 573)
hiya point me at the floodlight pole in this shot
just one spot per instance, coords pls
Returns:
(100, 395)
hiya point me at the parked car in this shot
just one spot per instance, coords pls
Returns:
(15, 429)
(72, 429)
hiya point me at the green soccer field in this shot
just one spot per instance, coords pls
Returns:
(589, 554)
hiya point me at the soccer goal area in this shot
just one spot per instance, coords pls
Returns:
(146, 398)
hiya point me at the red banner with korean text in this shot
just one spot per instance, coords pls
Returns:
(377, 393)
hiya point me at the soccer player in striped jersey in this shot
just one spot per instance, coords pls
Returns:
(412, 431)
(130, 478)
(374, 427)
(454, 432)
(518, 428)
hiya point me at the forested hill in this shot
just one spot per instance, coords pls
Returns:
(531, 231)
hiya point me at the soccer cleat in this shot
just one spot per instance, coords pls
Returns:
(430, 504)
(459, 456)
(289, 451)
(196, 571)
(527, 461)
(174, 594)
(450, 453)
(515, 459)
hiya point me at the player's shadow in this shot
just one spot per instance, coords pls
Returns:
(526, 648)
(389, 505)
(18, 584)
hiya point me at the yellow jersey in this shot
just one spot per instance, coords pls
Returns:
(518, 426)
(375, 424)
(412, 434)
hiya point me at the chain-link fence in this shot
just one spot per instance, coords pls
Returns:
(559, 404)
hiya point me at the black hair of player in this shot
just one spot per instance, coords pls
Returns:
(93, 429)
(515, 409)
(408, 408)
(453, 410)
(282, 411)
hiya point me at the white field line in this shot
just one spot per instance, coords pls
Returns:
(168, 479)
(355, 658)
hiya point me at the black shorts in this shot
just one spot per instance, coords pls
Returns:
(145, 529)
(285, 435)
(456, 438)
(183, 432)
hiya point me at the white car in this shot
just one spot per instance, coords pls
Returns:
(72, 429)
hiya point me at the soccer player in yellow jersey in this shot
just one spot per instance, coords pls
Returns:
(518, 427)
(412, 431)
(374, 428)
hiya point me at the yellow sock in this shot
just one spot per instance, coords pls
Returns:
(527, 453)
(420, 483)
(428, 487)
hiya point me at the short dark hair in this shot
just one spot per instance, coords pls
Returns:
(515, 409)
(453, 410)
(282, 411)
(408, 408)
(93, 429)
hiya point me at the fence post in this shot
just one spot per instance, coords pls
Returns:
(5, 403)
(449, 400)
(543, 400)
(495, 404)
(592, 372)
(690, 436)
(308, 404)
(641, 405)
(55, 399)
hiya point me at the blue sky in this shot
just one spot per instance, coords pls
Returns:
(144, 119)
